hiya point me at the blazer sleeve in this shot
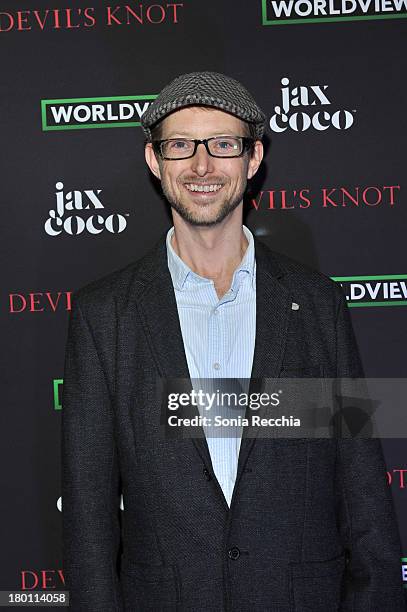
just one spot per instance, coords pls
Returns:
(90, 476)
(366, 516)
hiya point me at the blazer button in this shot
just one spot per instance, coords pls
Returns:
(207, 474)
(234, 553)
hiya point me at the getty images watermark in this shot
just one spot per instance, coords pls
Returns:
(284, 408)
(226, 409)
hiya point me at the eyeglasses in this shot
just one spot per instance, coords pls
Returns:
(218, 146)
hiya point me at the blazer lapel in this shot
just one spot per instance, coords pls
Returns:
(273, 309)
(157, 308)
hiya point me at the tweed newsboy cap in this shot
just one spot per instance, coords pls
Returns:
(204, 89)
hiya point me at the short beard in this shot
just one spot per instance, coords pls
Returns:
(184, 213)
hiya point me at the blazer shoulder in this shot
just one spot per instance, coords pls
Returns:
(298, 277)
(120, 286)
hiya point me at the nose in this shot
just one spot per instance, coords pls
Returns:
(202, 162)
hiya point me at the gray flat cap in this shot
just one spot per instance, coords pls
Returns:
(204, 89)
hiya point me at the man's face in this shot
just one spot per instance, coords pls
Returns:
(180, 179)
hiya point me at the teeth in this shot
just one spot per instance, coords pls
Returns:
(203, 188)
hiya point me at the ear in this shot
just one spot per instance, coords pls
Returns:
(152, 161)
(255, 159)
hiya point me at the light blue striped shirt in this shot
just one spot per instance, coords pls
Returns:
(219, 337)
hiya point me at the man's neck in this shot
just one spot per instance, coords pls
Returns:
(212, 252)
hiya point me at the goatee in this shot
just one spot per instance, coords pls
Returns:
(192, 218)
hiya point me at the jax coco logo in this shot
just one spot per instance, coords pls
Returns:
(82, 205)
(311, 98)
(59, 503)
(81, 113)
(288, 12)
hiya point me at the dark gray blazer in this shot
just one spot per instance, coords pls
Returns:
(311, 525)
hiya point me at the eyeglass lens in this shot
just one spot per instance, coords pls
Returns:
(223, 146)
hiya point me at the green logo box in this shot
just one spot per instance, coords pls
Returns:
(70, 104)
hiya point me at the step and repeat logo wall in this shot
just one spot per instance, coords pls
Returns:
(78, 201)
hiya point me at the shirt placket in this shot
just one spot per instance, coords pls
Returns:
(222, 444)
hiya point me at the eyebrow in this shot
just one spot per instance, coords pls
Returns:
(183, 135)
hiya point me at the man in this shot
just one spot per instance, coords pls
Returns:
(227, 524)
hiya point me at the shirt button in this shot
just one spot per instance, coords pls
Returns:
(234, 553)
(216, 366)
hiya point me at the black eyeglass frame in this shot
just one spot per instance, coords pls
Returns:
(247, 143)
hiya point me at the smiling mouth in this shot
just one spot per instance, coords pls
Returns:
(207, 188)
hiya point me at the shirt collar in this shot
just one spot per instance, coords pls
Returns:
(180, 271)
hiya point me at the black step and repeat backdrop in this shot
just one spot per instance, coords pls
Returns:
(78, 202)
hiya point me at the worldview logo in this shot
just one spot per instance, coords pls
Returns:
(289, 12)
(79, 202)
(81, 113)
(287, 115)
(57, 388)
(137, 14)
(386, 290)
